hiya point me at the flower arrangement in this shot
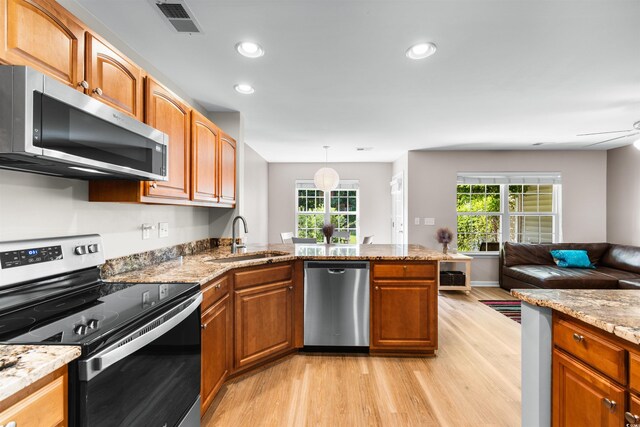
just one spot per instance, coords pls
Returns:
(444, 236)
(327, 230)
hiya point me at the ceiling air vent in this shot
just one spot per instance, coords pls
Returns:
(176, 13)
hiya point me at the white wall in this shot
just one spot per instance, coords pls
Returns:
(375, 196)
(36, 206)
(623, 196)
(256, 196)
(433, 182)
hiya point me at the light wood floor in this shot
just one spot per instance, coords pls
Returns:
(474, 380)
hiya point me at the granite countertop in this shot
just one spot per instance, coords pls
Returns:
(33, 363)
(613, 310)
(203, 267)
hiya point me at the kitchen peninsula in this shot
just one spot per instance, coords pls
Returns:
(582, 356)
(253, 302)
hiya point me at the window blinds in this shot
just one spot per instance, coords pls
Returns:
(509, 178)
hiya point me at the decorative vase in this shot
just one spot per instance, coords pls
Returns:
(445, 248)
(327, 230)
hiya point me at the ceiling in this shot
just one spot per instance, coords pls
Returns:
(507, 74)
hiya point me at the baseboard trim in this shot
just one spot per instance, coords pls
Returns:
(484, 284)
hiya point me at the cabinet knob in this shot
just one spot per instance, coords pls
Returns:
(153, 185)
(290, 288)
(404, 266)
(377, 288)
(203, 326)
(218, 286)
(631, 418)
(98, 91)
(578, 337)
(611, 404)
(11, 424)
(83, 84)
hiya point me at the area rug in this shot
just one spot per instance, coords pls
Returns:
(510, 308)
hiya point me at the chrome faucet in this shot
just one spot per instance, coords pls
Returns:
(234, 245)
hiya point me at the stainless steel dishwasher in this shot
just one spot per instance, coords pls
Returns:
(336, 303)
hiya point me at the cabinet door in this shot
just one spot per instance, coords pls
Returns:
(216, 349)
(166, 112)
(43, 35)
(227, 169)
(112, 78)
(582, 397)
(263, 323)
(404, 315)
(204, 159)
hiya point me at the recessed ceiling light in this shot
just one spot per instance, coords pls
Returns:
(244, 89)
(364, 148)
(250, 49)
(421, 50)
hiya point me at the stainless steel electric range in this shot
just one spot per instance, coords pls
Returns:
(140, 362)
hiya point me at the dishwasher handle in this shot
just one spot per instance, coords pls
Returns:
(336, 270)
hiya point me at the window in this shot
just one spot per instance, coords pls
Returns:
(315, 208)
(509, 207)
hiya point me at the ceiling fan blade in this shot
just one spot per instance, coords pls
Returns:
(602, 133)
(612, 139)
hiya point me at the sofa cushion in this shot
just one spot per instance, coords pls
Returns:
(618, 274)
(554, 277)
(622, 257)
(629, 284)
(538, 254)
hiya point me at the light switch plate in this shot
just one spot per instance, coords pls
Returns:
(163, 291)
(416, 221)
(146, 231)
(163, 229)
(429, 221)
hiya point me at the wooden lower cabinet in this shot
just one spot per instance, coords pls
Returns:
(216, 349)
(263, 323)
(42, 404)
(582, 396)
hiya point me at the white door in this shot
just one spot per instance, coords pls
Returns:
(397, 210)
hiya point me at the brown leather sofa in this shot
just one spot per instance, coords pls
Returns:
(525, 265)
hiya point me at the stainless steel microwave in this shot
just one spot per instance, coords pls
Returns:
(50, 128)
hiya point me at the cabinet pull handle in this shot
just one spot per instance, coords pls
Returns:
(611, 404)
(578, 337)
(83, 84)
(153, 185)
(98, 91)
(631, 418)
(203, 326)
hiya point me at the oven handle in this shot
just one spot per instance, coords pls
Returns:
(87, 369)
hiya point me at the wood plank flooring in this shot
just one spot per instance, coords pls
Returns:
(474, 380)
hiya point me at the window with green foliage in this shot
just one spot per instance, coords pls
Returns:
(315, 208)
(492, 213)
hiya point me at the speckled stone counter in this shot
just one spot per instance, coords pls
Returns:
(33, 363)
(613, 310)
(205, 266)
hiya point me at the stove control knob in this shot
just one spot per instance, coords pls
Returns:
(80, 329)
(93, 248)
(93, 324)
(80, 250)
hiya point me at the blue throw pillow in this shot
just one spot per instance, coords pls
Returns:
(571, 258)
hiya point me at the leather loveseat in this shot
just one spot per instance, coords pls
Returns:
(526, 265)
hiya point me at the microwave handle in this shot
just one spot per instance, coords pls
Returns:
(87, 369)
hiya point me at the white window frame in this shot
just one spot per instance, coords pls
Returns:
(349, 185)
(513, 178)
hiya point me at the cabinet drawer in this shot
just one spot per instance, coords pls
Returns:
(44, 407)
(404, 271)
(634, 372)
(632, 416)
(213, 291)
(261, 276)
(587, 346)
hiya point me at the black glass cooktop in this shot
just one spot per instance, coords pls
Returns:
(87, 317)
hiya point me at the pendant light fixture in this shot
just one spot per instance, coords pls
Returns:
(326, 178)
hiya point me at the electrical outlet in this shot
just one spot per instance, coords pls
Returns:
(146, 231)
(429, 221)
(163, 291)
(416, 221)
(163, 229)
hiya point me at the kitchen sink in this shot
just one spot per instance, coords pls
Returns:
(247, 257)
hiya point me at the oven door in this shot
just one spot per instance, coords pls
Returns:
(149, 377)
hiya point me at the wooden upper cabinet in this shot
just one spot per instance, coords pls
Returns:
(204, 159)
(227, 169)
(166, 112)
(43, 35)
(113, 79)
